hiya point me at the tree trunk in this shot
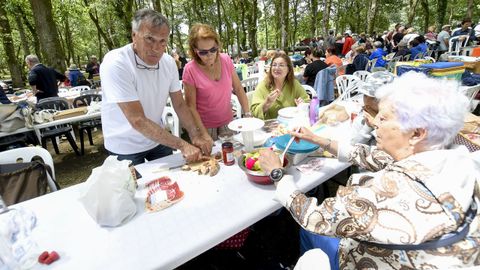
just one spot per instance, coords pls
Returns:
(283, 24)
(48, 34)
(228, 28)
(23, 37)
(242, 24)
(157, 5)
(426, 15)
(265, 22)
(172, 23)
(197, 11)
(9, 47)
(286, 6)
(31, 29)
(411, 11)
(94, 17)
(313, 22)
(293, 36)
(372, 12)
(219, 18)
(123, 10)
(69, 39)
(441, 12)
(470, 8)
(252, 28)
(326, 16)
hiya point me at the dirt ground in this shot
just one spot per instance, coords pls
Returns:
(71, 169)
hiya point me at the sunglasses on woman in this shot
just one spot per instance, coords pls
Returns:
(205, 52)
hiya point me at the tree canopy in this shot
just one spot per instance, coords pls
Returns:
(64, 32)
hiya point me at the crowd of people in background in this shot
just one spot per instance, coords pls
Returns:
(402, 42)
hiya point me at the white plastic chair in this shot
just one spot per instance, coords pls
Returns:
(310, 90)
(371, 64)
(80, 88)
(362, 74)
(455, 45)
(26, 154)
(250, 84)
(345, 82)
(252, 70)
(471, 92)
(429, 58)
(62, 90)
(171, 121)
(236, 106)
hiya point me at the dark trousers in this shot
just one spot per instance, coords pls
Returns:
(138, 158)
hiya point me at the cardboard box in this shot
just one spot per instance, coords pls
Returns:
(70, 113)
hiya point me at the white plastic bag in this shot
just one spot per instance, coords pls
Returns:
(109, 193)
(18, 249)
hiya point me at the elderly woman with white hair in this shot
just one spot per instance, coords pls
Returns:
(417, 209)
(379, 54)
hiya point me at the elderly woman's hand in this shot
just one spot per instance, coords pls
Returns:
(269, 160)
(304, 134)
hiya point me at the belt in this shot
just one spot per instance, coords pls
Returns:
(443, 241)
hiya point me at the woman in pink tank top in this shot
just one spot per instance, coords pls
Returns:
(208, 82)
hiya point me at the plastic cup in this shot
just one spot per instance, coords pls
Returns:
(247, 137)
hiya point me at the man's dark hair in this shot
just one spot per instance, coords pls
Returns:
(466, 20)
(317, 53)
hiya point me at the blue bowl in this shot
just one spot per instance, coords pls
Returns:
(296, 148)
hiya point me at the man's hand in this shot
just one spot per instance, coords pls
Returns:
(190, 152)
(205, 143)
(269, 160)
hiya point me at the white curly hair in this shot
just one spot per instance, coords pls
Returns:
(422, 102)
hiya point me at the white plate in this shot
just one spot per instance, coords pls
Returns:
(246, 124)
(289, 112)
(259, 137)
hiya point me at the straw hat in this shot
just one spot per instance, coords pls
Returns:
(446, 26)
(73, 67)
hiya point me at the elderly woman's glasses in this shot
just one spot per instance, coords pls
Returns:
(142, 66)
(205, 52)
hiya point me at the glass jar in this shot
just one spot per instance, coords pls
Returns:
(227, 153)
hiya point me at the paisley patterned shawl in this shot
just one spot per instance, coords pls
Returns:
(390, 206)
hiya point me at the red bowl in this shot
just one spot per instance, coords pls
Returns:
(258, 177)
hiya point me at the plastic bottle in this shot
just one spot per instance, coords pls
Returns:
(314, 110)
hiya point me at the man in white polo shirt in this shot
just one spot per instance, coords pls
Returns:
(137, 80)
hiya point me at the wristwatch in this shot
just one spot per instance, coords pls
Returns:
(276, 174)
